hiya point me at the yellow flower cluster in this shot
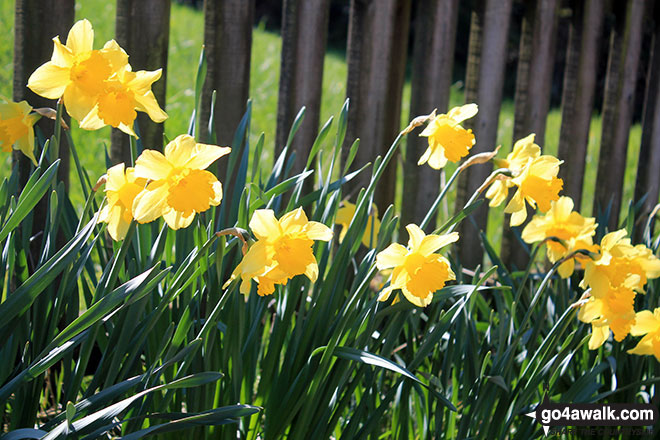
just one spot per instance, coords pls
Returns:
(615, 270)
(98, 87)
(174, 185)
(17, 128)
(615, 276)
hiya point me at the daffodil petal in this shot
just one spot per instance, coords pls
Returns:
(416, 236)
(150, 203)
(49, 81)
(177, 219)
(264, 224)
(152, 165)
(432, 243)
(645, 322)
(81, 37)
(204, 155)
(392, 256)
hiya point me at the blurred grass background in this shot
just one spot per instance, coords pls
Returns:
(186, 37)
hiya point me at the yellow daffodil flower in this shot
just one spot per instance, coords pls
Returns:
(417, 270)
(125, 93)
(17, 128)
(345, 216)
(647, 324)
(523, 150)
(98, 87)
(77, 73)
(283, 250)
(121, 188)
(615, 276)
(562, 222)
(534, 176)
(448, 140)
(614, 311)
(179, 186)
(537, 184)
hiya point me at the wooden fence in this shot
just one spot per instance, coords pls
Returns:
(377, 53)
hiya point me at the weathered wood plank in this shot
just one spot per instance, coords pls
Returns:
(137, 22)
(433, 62)
(377, 46)
(623, 61)
(578, 93)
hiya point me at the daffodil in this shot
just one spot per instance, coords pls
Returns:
(614, 311)
(345, 216)
(179, 185)
(417, 270)
(17, 128)
(619, 271)
(574, 231)
(76, 72)
(97, 87)
(448, 140)
(121, 188)
(647, 324)
(123, 94)
(283, 250)
(523, 150)
(534, 176)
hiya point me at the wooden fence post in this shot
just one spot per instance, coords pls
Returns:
(433, 61)
(494, 22)
(532, 99)
(304, 34)
(228, 48)
(36, 23)
(377, 46)
(142, 29)
(648, 179)
(578, 93)
(625, 45)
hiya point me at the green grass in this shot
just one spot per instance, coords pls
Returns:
(185, 46)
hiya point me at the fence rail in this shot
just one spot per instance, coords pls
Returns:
(377, 53)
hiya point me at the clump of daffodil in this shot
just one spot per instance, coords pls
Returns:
(417, 270)
(574, 231)
(283, 250)
(615, 276)
(345, 216)
(121, 188)
(448, 140)
(179, 185)
(647, 324)
(533, 175)
(96, 86)
(17, 128)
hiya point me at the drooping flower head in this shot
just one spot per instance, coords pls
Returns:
(417, 270)
(615, 276)
(96, 81)
(345, 216)
(17, 128)
(533, 175)
(575, 232)
(179, 186)
(125, 93)
(283, 250)
(647, 324)
(448, 140)
(121, 188)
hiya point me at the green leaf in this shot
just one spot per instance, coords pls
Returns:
(30, 196)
